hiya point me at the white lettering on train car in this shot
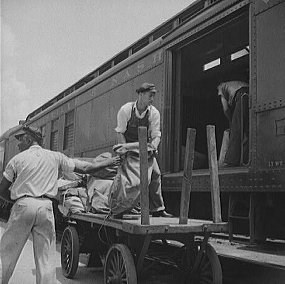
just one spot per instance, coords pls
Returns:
(275, 164)
(127, 75)
(114, 82)
(157, 57)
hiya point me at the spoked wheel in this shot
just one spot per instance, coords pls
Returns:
(119, 266)
(69, 252)
(208, 271)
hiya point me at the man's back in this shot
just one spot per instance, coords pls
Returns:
(36, 170)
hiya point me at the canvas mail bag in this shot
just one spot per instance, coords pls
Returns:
(125, 189)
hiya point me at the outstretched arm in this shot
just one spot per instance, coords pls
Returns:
(84, 167)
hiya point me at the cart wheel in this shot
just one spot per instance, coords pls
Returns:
(119, 266)
(208, 271)
(69, 252)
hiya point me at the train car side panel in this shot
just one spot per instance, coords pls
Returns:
(97, 108)
(271, 128)
(82, 131)
(270, 108)
(271, 57)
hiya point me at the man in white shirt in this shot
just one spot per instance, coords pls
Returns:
(33, 174)
(142, 113)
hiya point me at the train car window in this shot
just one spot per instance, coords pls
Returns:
(212, 64)
(68, 130)
(162, 31)
(122, 56)
(240, 53)
(54, 135)
(140, 45)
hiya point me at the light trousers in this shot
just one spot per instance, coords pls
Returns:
(30, 216)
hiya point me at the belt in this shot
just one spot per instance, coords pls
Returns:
(37, 197)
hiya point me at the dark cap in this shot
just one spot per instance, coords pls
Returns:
(146, 87)
(33, 131)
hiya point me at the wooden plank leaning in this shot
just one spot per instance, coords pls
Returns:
(142, 132)
(213, 166)
(187, 176)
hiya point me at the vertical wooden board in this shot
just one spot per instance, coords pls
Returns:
(224, 147)
(144, 176)
(156, 76)
(187, 176)
(213, 166)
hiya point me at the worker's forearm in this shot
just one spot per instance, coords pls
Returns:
(84, 167)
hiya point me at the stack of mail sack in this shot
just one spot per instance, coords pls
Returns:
(72, 194)
(86, 193)
(113, 190)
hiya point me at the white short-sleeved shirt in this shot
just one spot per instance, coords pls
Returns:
(124, 115)
(34, 172)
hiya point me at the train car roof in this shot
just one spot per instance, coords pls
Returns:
(160, 31)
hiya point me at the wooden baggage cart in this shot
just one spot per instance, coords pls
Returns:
(128, 247)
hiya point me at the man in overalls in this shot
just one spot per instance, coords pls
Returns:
(234, 99)
(142, 113)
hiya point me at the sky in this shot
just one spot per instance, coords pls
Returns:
(48, 45)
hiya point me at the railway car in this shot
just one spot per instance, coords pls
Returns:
(186, 57)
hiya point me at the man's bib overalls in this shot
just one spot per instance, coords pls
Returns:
(131, 135)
